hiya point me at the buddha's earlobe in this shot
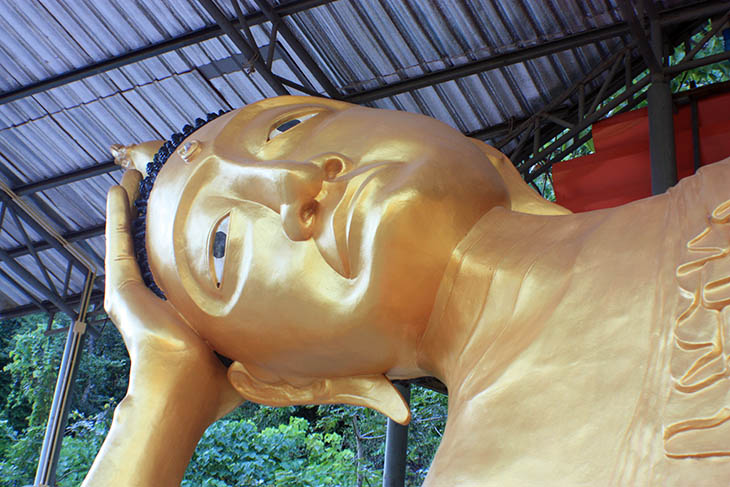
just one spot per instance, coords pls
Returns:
(372, 391)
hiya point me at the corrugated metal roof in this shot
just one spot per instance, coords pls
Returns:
(359, 45)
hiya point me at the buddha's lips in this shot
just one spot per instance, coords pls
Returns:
(345, 210)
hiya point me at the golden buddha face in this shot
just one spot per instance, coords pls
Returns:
(309, 236)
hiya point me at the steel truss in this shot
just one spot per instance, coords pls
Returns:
(263, 63)
(44, 286)
(553, 137)
(18, 219)
(191, 38)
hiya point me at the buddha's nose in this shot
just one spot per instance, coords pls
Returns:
(299, 189)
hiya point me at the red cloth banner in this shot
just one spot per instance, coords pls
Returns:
(620, 172)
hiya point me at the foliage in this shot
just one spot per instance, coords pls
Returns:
(254, 445)
(29, 360)
(322, 445)
(703, 75)
(236, 452)
(84, 437)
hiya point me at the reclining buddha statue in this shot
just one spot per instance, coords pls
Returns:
(327, 249)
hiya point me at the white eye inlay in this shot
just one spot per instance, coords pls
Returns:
(220, 238)
(290, 124)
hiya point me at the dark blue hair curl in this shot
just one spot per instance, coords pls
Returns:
(139, 225)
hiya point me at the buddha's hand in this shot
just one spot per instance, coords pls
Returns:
(177, 386)
(163, 348)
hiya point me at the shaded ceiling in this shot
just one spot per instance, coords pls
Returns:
(79, 75)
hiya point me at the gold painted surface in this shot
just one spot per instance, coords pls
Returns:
(135, 156)
(366, 245)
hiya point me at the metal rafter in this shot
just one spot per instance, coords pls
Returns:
(631, 68)
(492, 62)
(75, 236)
(37, 227)
(552, 113)
(36, 305)
(25, 223)
(147, 52)
(670, 17)
(667, 18)
(97, 296)
(66, 178)
(558, 136)
(558, 116)
(251, 52)
(280, 26)
(639, 36)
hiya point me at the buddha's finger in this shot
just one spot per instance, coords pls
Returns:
(121, 266)
(130, 183)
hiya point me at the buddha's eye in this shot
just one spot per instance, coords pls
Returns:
(289, 124)
(218, 250)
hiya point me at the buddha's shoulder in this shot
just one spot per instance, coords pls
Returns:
(710, 185)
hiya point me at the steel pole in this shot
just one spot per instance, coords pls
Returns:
(396, 447)
(661, 122)
(58, 416)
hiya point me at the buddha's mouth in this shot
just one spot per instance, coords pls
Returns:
(339, 235)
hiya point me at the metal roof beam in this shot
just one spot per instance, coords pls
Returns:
(83, 234)
(297, 47)
(73, 300)
(692, 12)
(640, 37)
(38, 228)
(147, 52)
(564, 138)
(666, 18)
(251, 52)
(493, 62)
(24, 219)
(37, 286)
(36, 304)
(69, 177)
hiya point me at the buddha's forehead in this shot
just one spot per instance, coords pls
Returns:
(247, 130)
(285, 102)
(240, 133)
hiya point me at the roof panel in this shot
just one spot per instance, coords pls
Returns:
(360, 45)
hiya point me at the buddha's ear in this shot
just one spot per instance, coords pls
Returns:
(372, 391)
(522, 197)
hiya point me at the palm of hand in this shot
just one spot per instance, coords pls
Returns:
(155, 334)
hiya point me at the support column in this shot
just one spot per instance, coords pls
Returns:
(48, 461)
(396, 447)
(661, 122)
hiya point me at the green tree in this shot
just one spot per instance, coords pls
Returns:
(254, 445)
(238, 453)
(30, 361)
